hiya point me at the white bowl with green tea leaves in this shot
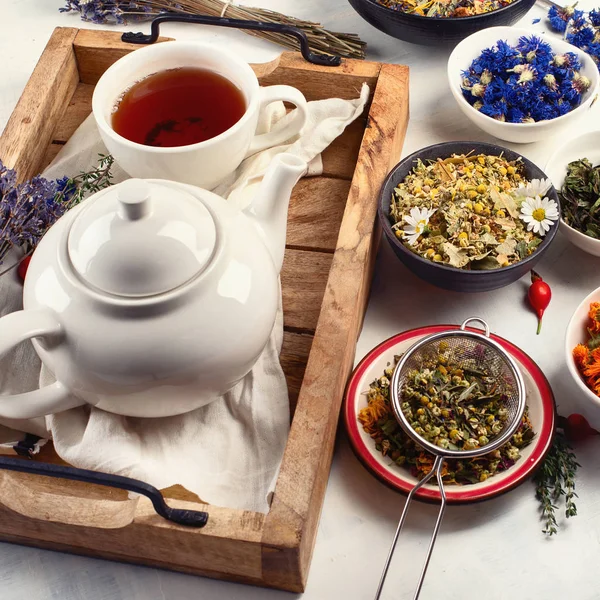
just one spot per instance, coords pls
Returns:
(575, 172)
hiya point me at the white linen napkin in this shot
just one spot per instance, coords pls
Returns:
(228, 452)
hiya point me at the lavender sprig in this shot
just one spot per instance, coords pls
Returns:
(29, 209)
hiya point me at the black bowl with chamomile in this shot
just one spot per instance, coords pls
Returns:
(443, 275)
(436, 31)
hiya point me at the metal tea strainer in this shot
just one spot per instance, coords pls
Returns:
(468, 349)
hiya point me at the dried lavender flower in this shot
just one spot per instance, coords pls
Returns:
(29, 209)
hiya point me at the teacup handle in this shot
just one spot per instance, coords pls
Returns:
(283, 93)
(15, 328)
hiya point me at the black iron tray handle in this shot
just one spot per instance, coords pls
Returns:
(191, 518)
(326, 60)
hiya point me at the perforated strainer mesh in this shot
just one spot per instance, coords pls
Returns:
(469, 351)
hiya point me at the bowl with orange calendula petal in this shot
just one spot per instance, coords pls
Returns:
(582, 346)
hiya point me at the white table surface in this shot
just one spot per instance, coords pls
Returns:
(491, 551)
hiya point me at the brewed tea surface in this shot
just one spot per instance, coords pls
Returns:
(178, 107)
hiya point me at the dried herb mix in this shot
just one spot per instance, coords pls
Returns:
(472, 211)
(451, 8)
(452, 407)
(580, 197)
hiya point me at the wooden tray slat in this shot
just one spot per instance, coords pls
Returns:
(95, 51)
(315, 213)
(31, 124)
(79, 107)
(331, 249)
(303, 280)
(303, 477)
(294, 356)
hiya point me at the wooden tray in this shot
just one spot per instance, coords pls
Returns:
(331, 245)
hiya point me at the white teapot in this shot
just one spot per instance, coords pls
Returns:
(151, 298)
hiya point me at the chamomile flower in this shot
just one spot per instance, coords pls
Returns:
(539, 214)
(416, 221)
(533, 188)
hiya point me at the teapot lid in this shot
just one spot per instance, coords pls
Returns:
(141, 238)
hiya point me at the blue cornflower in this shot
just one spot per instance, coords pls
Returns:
(535, 51)
(494, 91)
(496, 110)
(594, 51)
(496, 60)
(564, 65)
(578, 19)
(524, 84)
(485, 61)
(563, 108)
(569, 93)
(543, 111)
(558, 17)
(506, 56)
(469, 78)
(573, 61)
(594, 17)
(515, 115)
(581, 37)
(550, 90)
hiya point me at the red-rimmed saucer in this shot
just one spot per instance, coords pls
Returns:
(540, 400)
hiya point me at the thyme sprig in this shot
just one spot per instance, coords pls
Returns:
(555, 480)
(87, 182)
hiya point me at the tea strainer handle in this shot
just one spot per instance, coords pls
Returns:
(437, 471)
(478, 320)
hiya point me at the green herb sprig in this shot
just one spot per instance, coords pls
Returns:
(87, 182)
(555, 480)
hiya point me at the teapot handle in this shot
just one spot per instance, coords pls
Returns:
(15, 328)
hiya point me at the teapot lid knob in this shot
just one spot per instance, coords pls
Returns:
(134, 199)
(141, 238)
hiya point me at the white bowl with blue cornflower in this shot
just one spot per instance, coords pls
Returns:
(521, 88)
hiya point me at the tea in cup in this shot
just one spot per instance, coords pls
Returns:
(187, 112)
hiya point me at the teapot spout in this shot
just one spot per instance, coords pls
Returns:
(269, 208)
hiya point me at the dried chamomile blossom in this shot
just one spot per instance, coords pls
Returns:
(472, 211)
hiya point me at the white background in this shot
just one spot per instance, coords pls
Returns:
(489, 551)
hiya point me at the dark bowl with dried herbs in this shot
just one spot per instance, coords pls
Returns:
(409, 21)
(468, 216)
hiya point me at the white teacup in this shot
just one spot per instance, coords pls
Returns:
(207, 163)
